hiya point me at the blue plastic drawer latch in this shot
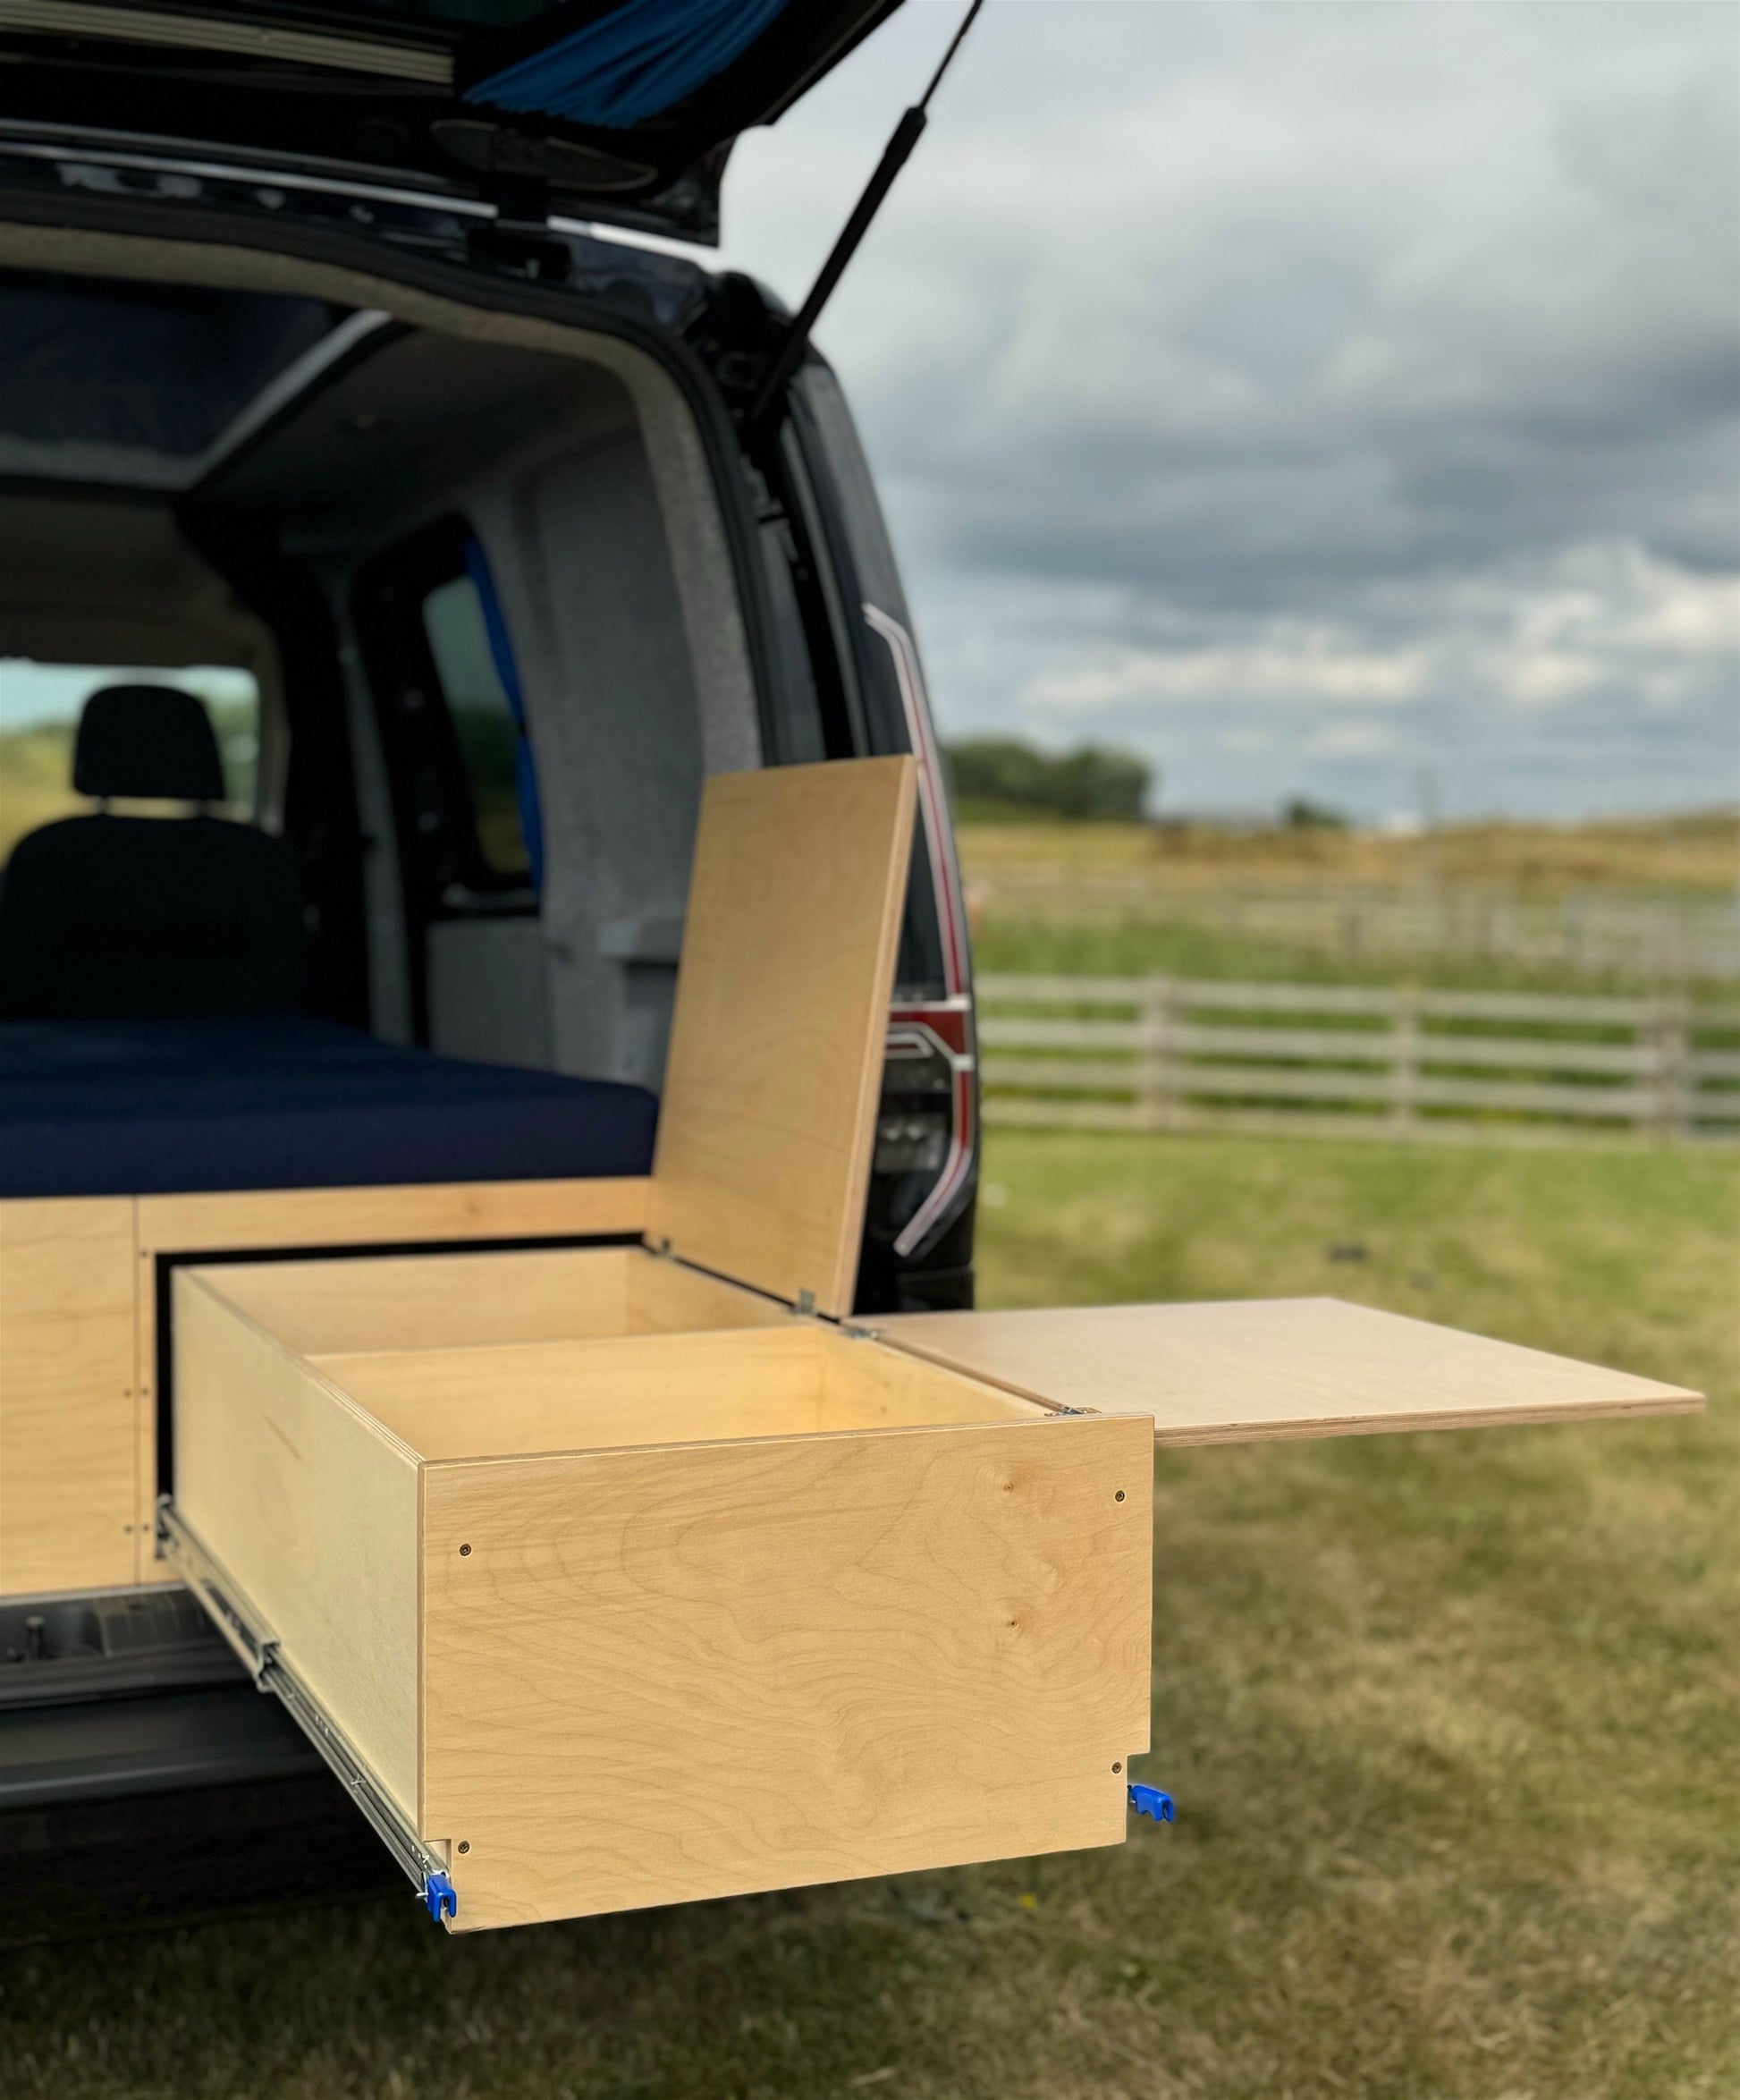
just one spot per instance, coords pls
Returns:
(1148, 1800)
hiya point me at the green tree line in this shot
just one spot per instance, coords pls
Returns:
(994, 775)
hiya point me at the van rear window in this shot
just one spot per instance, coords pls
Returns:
(39, 708)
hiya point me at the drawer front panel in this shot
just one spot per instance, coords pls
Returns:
(660, 1675)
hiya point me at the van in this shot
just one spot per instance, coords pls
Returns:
(489, 1128)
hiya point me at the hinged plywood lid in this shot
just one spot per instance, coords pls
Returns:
(769, 1109)
(1242, 1371)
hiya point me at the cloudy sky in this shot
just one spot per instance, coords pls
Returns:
(1307, 396)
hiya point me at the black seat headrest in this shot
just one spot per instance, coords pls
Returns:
(152, 741)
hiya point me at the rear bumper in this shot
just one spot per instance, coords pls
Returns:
(133, 1814)
(158, 1742)
(144, 1781)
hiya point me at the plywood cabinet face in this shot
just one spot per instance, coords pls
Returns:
(766, 1134)
(641, 1617)
(371, 1304)
(67, 1394)
(671, 1672)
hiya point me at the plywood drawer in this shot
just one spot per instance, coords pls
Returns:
(622, 1585)
(615, 1619)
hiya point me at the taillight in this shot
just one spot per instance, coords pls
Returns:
(926, 1123)
(927, 1106)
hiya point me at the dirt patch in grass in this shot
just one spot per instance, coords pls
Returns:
(1451, 1721)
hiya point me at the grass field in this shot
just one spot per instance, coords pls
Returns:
(1451, 1721)
(36, 784)
(1699, 851)
(1178, 947)
(1175, 923)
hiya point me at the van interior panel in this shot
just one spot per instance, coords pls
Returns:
(338, 439)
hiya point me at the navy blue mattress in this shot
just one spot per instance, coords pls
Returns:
(123, 1108)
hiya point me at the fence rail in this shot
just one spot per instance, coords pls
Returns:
(1166, 1053)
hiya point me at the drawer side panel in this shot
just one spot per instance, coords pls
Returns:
(312, 1509)
(660, 1675)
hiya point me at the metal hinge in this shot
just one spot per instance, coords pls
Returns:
(805, 1305)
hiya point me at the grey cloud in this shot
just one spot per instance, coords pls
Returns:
(1367, 333)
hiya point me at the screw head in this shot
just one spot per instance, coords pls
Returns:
(464, 1550)
(465, 1845)
(1118, 1767)
(1118, 1496)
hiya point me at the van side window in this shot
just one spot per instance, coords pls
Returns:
(440, 662)
(485, 723)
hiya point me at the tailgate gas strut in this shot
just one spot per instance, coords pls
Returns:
(894, 157)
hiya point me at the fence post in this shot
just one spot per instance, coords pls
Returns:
(1404, 1062)
(1669, 1035)
(1570, 931)
(1162, 1101)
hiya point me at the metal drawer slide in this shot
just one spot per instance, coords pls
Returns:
(257, 1649)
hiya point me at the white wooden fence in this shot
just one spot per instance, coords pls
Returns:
(1125, 1054)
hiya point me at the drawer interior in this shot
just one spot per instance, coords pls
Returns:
(582, 1348)
(801, 1379)
(348, 1306)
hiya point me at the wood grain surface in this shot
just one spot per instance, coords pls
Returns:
(798, 1378)
(274, 1218)
(1242, 1370)
(312, 1507)
(361, 1217)
(535, 1397)
(67, 1396)
(767, 1117)
(662, 1675)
